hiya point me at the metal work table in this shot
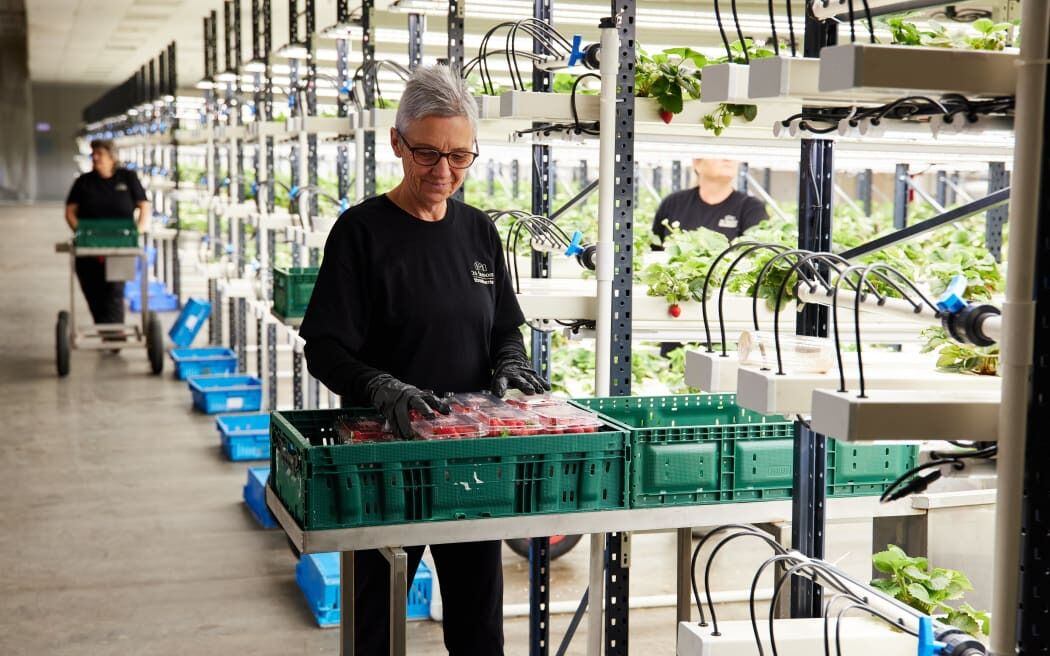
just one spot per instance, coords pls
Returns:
(389, 540)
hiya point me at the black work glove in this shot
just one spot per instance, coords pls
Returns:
(513, 369)
(395, 399)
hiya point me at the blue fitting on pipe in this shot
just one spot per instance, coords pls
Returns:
(951, 301)
(577, 54)
(928, 645)
(574, 244)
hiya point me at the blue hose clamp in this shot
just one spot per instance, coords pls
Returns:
(574, 244)
(951, 301)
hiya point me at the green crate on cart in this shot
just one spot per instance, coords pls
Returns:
(292, 288)
(106, 233)
(371, 484)
(700, 448)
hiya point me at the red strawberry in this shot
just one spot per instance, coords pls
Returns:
(666, 116)
(675, 310)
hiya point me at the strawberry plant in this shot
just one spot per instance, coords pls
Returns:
(928, 589)
(720, 119)
(961, 358)
(671, 76)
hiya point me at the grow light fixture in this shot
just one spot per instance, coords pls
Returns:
(427, 7)
(254, 65)
(294, 51)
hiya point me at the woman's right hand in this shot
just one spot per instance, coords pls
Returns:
(395, 400)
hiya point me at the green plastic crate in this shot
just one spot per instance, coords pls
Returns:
(351, 485)
(703, 448)
(106, 233)
(292, 288)
(698, 448)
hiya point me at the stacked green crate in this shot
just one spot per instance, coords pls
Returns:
(292, 288)
(106, 233)
(703, 448)
(327, 485)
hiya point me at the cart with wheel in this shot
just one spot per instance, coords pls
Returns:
(116, 240)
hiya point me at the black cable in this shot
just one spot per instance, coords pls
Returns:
(818, 570)
(871, 611)
(722, 31)
(739, 33)
(722, 289)
(852, 30)
(827, 617)
(791, 29)
(777, 547)
(707, 280)
(593, 127)
(871, 24)
(696, 552)
(773, 29)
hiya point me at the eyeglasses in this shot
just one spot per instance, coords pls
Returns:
(457, 159)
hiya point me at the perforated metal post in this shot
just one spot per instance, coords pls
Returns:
(863, 190)
(173, 126)
(815, 197)
(998, 179)
(368, 58)
(542, 193)
(417, 27)
(617, 561)
(741, 177)
(456, 31)
(900, 196)
(515, 179)
(941, 195)
(676, 175)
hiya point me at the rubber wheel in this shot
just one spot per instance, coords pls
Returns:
(560, 545)
(155, 343)
(62, 343)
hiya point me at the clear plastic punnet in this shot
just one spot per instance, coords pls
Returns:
(508, 420)
(798, 354)
(449, 427)
(354, 430)
(564, 418)
(531, 401)
(471, 401)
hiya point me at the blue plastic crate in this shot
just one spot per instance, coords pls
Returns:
(189, 323)
(133, 289)
(318, 578)
(190, 362)
(245, 437)
(226, 393)
(162, 302)
(255, 496)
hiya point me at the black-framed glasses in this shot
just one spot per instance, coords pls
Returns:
(457, 159)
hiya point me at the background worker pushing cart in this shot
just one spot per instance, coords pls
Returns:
(105, 249)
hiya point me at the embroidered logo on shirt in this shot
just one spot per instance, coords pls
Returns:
(728, 221)
(121, 186)
(481, 274)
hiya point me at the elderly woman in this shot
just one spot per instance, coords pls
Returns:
(413, 301)
(107, 191)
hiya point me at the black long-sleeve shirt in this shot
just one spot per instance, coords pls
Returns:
(428, 302)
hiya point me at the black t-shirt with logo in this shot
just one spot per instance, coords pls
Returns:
(106, 198)
(425, 301)
(731, 217)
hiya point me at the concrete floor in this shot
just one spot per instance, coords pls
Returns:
(122, 529)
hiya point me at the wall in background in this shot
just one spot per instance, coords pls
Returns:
(56, 121)
(16, 109)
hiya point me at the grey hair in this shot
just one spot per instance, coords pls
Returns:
(436, 91)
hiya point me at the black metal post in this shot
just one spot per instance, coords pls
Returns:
(676, 175)
(998, 179)
(456, 31)
(368, 58)
(417, 27)
(863, 190)
(941, 194)
(741, 177)
(515, 179)
(815, 196)
(901, 194)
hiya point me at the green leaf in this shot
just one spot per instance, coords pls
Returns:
(750, 112)
(983, 25)
(919, 592)
(888, 586)
(939, 582)
(965, 622)
(915, 573)
(888, 561)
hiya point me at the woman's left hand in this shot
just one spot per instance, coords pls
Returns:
(516, 372)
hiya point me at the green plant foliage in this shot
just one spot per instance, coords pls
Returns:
(681, 277)
(928, 589)
(960, 358)
(720, 119)
(671, 76)
(982, 34)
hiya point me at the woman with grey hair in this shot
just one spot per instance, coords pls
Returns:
(413, 301)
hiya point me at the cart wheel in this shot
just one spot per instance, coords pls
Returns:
(155, 343)
(62, 343)
(560, 545)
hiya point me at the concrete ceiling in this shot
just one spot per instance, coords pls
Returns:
(105, 41)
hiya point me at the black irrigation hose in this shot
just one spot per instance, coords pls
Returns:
(852, 29)
(777, 547)
(827, 258)
(722, 31)
(593, 127)
(871, 611)
(765, 270)
(791, 29)
(773, 29)
(953, 459)
(707, 281)
(739, 33)
(827, 616)
(778, 587)
(871, 25)
(696, 554)
(722, 288)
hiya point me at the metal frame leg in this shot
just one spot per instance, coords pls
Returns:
(346, 603)
(398, 559)
(683, 548)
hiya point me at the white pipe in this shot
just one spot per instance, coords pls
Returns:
(1015, 364)
(304, 178)
(609, 70)
(824, 10)
(895, 307)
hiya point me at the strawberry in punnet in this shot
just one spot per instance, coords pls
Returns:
(675, 310)
(666, 115)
